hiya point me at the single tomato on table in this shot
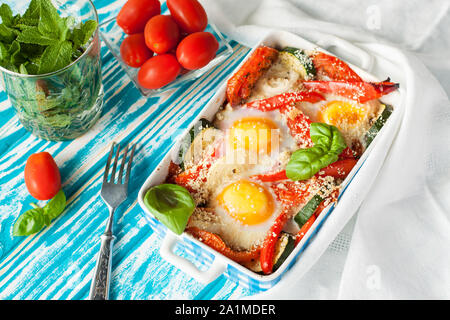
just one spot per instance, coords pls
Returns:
(135, 13)
(134, 51)
(188, 14)
(161, 34)
(197, 50)
(42, 176)
(159, 71)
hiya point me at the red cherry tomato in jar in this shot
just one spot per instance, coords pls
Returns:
(135, 13)
(197, 50)
(134, 51)
(42, 176)
(161, 34)
(159, 71)
(188, 14)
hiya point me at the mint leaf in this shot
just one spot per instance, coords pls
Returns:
(7, 34)
(81, 35)
(34, 36)
(6, 15)
(33, 12)
(50, 22)
(56, 56)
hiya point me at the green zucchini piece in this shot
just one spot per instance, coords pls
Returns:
(379, 123)
(308, 210)
(288, 245)
(189, 138)
(299, 61)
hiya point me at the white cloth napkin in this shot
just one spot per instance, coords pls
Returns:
(397, 245)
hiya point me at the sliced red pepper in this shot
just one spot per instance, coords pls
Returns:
(339, 169)
(334, 68)
(214, 241)
(304, 229)
(268, 248)
(239, 86)
(271, 177)
(283, 100)
(299, 126)
(357, 90)
(347, 154)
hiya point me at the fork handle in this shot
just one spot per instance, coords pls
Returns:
(102, 272)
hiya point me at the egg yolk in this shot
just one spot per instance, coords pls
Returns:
(247, 202)
(252, 134)
(342, 113)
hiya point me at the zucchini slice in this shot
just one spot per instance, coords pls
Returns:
(190, 137)
(283, 248)
(286, 246)
(308, 210)
(379, 123)
(299, 61)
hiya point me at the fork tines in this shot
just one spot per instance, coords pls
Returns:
(122, 166)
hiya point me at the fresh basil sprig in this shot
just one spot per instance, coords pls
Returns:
(171, 204)
(328, 144)
(34, 219)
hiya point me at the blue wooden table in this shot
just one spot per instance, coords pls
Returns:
(58, 262)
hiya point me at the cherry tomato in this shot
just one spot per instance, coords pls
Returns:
(197, 50)
(42, 176)
(134, 51)
(161, 34)
(188, 14)
(135, 13)
(159, 71)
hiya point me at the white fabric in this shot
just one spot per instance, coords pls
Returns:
(397, 245)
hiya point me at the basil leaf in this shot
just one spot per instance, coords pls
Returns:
(29, 222)
(328, 144)
(55, 206)
(171, 204)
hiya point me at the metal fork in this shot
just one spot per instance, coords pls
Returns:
(113, 194)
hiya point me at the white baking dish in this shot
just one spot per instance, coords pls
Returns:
(206, 257)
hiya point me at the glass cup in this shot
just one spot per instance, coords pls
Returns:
(63, 104)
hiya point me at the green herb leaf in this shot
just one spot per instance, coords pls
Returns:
(33, 35)
(50, 22)
(6, 15)
(328, 144)
(29, 222)
(81, 35)
(56, 205)
(56, 56)
(171, 204)
(32, 14)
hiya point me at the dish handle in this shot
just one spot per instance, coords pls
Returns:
(169, 242)
(366, 60)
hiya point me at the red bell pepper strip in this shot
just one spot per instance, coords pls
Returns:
(357, 90)
(339, 169)
(334, 68)
(239, 86)
(299, 127)
(268, 248)
(214, 241)
(283, 100)
(347, 154)
(304, 229)
(271, 177)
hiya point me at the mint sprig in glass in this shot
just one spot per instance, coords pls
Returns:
(50, 65)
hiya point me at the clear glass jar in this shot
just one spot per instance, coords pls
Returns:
(63, 104)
